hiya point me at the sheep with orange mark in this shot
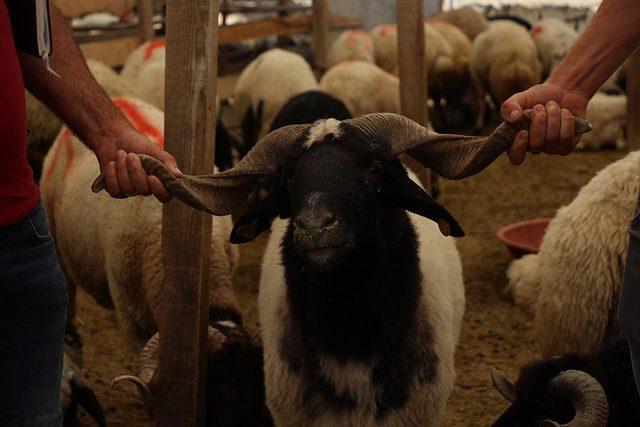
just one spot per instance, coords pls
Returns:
(351, 45)
(146, 53)
(385, 46)
(553, 37)
(44, 125)
(363, 87)
(112, 249)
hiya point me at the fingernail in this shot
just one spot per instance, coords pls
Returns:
(514, 115)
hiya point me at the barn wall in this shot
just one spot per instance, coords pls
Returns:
(375, 12)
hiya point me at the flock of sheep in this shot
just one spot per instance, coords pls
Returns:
(321, 365)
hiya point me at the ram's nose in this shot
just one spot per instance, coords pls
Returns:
(315, 218)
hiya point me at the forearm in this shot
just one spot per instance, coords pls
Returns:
(612, 36)
(75, 97)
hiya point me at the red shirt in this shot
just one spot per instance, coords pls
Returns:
(19, 194)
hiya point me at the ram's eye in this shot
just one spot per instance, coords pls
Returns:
(373, 174)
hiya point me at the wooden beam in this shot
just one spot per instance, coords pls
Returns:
(321, 36)
(299, 24)
(413, 72)
(145, 16)
(186, 233)
(633, 101)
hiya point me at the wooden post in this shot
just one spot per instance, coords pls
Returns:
(413, 72)
(145, 16)
(321, 36)
(192, 31)
(633, 101)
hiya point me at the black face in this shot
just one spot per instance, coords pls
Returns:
(334, 196)
(532, 409)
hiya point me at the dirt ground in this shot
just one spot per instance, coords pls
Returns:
(494, 332)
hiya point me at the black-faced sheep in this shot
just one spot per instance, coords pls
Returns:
(360, 301)
(354, 45)
(263, 88)
(309, 107)
(504, 60)
(363, 87)
(573, 391)
(573, 285)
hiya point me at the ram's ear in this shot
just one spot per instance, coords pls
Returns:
(401, 191)
(259, 216)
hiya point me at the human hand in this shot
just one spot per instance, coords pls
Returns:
(122, 170)
(552, 124)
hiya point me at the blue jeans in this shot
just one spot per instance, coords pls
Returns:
(33, 300)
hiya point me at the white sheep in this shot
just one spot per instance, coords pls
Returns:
(112, 248)
(351, 45)
(144, 54)
(44, 125)
(572, 286)
(150, 83)
(363, 87)
(504, 60)
(265, 86)
(553, 37)
(385, 46)
(608, 115)
(452, 75)
(467, 19)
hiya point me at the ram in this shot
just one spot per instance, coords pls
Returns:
(361, 298)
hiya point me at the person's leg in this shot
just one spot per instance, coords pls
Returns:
(33, 299)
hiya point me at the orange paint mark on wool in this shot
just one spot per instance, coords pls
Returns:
(140, 121)
(537, 30)
(387, 29)
(152, 46)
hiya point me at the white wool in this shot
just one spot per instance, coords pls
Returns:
(578, 271)
(274, 77)
(553, 37)
(322, 128)
(363, 87)
(441, 305)
(608, 117)
(351, 45)
(144, 54)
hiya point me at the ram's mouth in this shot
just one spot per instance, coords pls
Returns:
(325, 258)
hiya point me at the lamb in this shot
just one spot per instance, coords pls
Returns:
(504, 60)
(351, 45)
(553, 37)
(308, 107)
(572, 286)
(113, 249)
(143, 55)
(363, 87)
(596, 390)
(263, 88)
(467, 19)
(44, 125)
(360, 301)
(608, 114)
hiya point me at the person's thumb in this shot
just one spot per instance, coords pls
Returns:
(512, 109)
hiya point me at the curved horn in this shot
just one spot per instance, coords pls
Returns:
(147, 367)
(450, 156)
(586, 395)
(144, 392)
(222, 193)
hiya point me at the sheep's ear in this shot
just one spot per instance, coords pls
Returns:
(503, 384)
(405, 193)
(259, 216)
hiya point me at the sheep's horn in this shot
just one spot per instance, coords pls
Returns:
(503, 384)
(451, 156)
(223, 193)
(586, 395)
(144, 392)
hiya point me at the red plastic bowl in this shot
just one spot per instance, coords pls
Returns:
(524, 237)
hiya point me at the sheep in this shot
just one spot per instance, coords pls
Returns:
(467, 19)
(143, 55)
(596, 390)
(235, 393)
(263, 88)
(608, 114)
(504, 60)
(308, 107)
(385, 46)
(553, 37)
(360, 301)
(113, 249)
(351, 45)
(44, 125)
(572, 285)
(363, 87)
